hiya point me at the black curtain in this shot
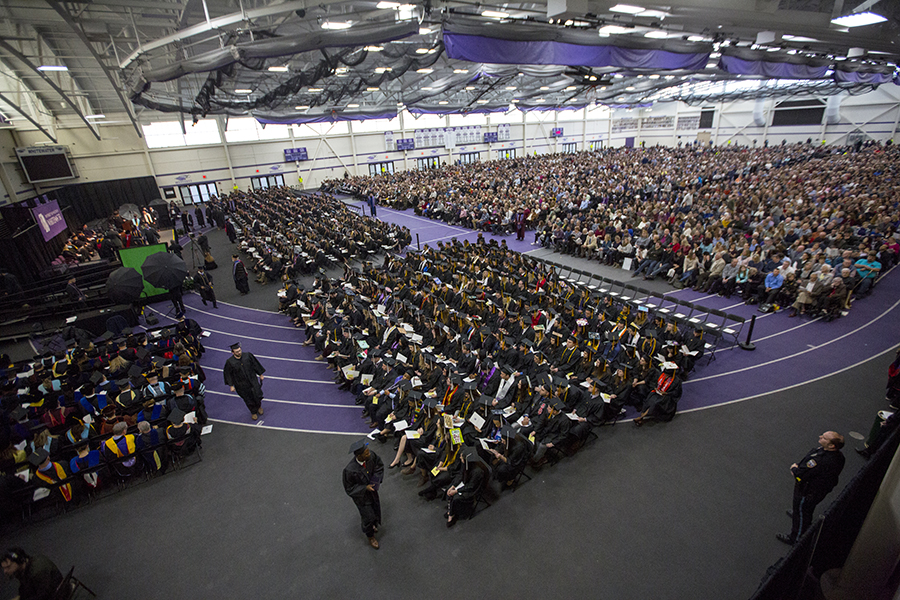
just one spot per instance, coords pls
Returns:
(98, 200)
(24, 252)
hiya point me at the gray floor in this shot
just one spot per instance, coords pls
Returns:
(680, 510)
(687, 509)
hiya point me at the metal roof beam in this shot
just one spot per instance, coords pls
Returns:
(22, 112)
(106, 71)
(65, 96)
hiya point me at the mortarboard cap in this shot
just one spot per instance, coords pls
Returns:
(38, 457)
(97, 377)
(414, 395)
(135, 371)
(176, 417)
(235, 346)
(357, 447)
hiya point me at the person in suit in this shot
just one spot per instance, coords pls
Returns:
(362, 477)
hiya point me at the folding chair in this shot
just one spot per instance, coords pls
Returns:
(70, 586)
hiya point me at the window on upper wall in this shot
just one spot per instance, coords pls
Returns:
(569, 148)
(423, 121)
(467, 120)
(570, 115)
(247, 129)
(168, 134)
(511, 153)
(320, 129)
(512, 117)
(706, 118)
(375, 125)
(539, 116)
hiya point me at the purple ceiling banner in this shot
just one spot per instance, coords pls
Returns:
(331, 117)
(841, 76)
(771, 70)
(50, 219)
(477, 48)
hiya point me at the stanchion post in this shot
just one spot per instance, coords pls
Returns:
(418, 245)
(747, 344)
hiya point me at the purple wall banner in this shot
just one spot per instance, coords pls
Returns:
(50, 219)
(771, 69)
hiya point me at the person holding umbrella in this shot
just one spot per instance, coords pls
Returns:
(244, 375)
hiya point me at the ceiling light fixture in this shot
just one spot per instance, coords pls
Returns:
(571, 87)
(386, 5)
(314, 90)
(629, 9)
(653, 14)
(494, 14)
(859, 19)
(544, 87)
(278, 69)
(382, 69)
(482, 101)
(798, 38)
(421, 50)
(94, 116)
(443, 102)
(373, 48)
(243, 91)
(371, 89)
(630, 88)
(52, 68)
(613, 30)
(425, 71)
(656, 34)
(460, 70)
(510, 87)
(301, 108)
(696, 38)
(336, 25)
(424, 30)
(654, 76)
(353, 106)
(592, 78)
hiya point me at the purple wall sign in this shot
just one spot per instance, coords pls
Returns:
(49, 219)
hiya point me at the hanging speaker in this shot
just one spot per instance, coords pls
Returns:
(833, 110)
(759, 112)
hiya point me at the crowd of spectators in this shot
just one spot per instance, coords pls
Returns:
(98, 413)
(687, 213)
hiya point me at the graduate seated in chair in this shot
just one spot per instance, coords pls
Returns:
(470, 476)
(184, 437)
(662, 401)
(121, 445)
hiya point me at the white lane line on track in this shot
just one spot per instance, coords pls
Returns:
(299, 360)
(268, 312)
(431, 221)
(243, 337)
(244, 320)
(297, 402)
(802, 352)
(795, 385)
(255, 426)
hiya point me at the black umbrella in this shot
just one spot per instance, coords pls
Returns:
(124, 285)
(164, 270)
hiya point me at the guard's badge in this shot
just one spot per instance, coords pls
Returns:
(810, 464)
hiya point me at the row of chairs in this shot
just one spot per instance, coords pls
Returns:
(717, 325)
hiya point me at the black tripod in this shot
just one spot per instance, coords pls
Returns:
(196, 254)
